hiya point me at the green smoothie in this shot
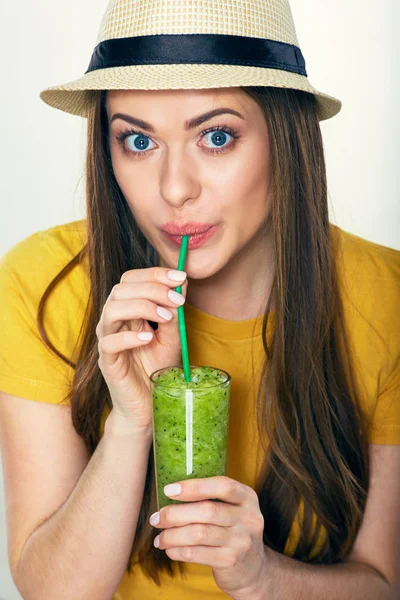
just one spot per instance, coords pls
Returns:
(190, 425)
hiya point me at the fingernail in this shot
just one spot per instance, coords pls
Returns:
(164, 313)
(175, 297)
(173, 489)
(176, 275)
(157, 541)
(155, 518)
(145, 335)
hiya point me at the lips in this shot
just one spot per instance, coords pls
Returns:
(186, 228)
(195, 240)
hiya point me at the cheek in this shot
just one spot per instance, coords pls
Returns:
(121, 167)
(137, 191)
(249, 190)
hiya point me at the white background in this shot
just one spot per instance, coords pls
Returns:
(350, 50)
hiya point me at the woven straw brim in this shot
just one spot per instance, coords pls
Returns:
(76, 96)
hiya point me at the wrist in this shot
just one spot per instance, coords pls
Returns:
(264, 587)
(117, 425)
(268, 588)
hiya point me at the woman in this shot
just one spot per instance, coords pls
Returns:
(303, 315)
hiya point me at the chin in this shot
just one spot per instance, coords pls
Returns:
(194, 269)
(202, 269)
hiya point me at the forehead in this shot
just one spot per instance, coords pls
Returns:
(182, 102)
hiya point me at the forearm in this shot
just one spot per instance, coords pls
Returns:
(82, 550)
(289, 578)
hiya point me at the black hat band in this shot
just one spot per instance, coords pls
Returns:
(199, 48)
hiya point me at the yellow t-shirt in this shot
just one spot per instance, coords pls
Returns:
(370, 280)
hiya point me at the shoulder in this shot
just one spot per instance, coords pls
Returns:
(32, 263)
(28, 268)
(48, 248)
(369, 272)
(359, 257)
(369, 277)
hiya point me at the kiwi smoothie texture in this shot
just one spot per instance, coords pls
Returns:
(208, 412)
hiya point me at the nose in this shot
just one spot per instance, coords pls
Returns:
(179, 182)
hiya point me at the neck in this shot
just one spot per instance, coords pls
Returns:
(239, 291)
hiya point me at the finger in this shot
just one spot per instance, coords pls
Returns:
(193, 535)
(216, 557)
(154, 291)
(171, 277)
(116, 312)
(220, 487)
(110, 346)
(207, 511)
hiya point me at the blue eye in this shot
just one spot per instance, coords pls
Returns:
(139, 145)
(218, 137)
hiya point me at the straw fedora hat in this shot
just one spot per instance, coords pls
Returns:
(192, 44)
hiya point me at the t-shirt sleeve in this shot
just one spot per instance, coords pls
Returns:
(371, 286)
(28, 367)
(385, 426)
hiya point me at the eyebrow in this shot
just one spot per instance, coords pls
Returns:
(188, 125)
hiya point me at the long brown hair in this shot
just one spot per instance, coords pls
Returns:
(308, 405)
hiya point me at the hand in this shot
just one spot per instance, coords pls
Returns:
(227, 536)
(125, 360)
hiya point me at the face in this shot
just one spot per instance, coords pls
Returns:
(214, 171)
